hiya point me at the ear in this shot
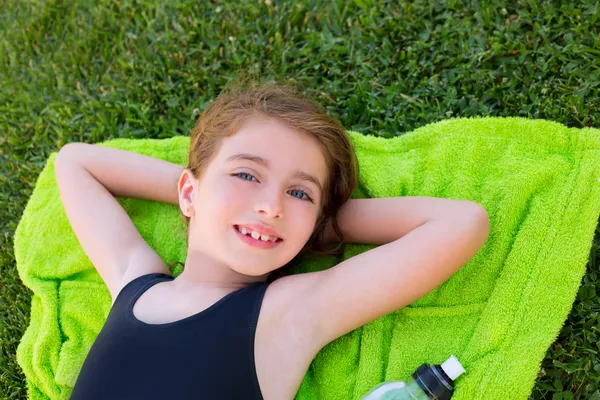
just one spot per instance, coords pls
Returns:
(186, 187)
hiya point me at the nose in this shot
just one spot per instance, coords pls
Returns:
(270, 204)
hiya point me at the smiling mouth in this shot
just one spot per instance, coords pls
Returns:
(256, 235)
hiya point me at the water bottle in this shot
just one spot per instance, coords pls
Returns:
(428, 382)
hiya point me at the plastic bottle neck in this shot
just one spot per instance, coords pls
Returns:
(434, 382)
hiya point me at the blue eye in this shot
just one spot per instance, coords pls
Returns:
(239, 174)
(302, 193)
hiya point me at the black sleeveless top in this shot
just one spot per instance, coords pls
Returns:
(209, 355)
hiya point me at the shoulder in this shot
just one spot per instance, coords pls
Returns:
(141, 264)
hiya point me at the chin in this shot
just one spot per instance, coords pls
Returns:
(254, 272)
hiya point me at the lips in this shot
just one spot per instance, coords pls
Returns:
(257, 243)
(259, 229)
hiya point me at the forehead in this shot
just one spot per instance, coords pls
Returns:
(284, 148)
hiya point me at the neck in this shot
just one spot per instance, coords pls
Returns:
(202, 271)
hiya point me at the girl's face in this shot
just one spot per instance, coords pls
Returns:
(266, 175)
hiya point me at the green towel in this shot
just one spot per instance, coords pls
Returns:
(537, 179)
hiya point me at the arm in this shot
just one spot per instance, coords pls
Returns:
(128, 174)
(426, 241)
(89, 177)
(383, 220)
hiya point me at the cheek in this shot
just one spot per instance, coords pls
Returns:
(217, 203)
(301, 221)
(226, 197)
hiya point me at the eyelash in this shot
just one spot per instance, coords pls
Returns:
(308, 198)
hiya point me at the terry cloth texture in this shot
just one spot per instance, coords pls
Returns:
(538, 181)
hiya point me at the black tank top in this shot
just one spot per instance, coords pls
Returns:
(209, 355)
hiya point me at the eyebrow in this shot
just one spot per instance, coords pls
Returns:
(261, 161)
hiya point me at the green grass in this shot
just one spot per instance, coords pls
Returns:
(132, 69)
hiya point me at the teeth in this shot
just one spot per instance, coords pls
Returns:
(257, 236)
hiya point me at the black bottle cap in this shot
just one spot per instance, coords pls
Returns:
(434, 382)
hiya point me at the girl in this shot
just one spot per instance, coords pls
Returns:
(269, 179)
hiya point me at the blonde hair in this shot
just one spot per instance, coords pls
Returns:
(245, 98)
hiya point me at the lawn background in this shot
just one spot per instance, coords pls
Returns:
(91, 71)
